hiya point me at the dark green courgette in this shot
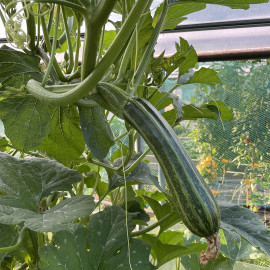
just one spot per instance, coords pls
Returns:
(193, 198)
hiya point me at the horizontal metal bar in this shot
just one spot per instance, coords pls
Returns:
(220, 25)
(229, 55)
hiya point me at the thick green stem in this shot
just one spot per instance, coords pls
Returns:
(94, 22)
(53, 50)
(31, 27)
(148, 52)
(16, 246)
(91, 44)
(89, 84)
(151, 227)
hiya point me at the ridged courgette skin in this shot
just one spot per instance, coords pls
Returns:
(193, 198)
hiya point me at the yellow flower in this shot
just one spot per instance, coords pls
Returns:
(225, 160)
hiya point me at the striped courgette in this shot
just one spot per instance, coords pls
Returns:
(193, 198)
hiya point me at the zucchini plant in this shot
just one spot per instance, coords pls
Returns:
(57, 168)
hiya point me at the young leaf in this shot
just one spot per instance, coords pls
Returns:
(164, 252)
(205, 76)
(211, 110)
(65, 141)
(236, 219)
(27, 122)
(96, 131)
(25, 182)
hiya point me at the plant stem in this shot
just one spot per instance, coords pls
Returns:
(38, 28)
(64, 3)
(102, 198)
(94, 21)
(89, 84)
(16, 246)
(31, 26)
(129, 50)
(151, 227)
(150, 47)
(53, 50)
(102, 164)
(49, 48)
(78, 39)
(69, 42)
(101, 44)
(134, 165)
(2, 17)
(34, 238)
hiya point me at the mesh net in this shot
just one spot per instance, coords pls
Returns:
(233, 156)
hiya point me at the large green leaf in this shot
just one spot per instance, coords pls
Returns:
(25, 182)
(243, 4)
(60, 217)
(235, 248)
(17, 68)
(241, 221)
(27, 122)
(108, 242)
(71, 253)
(65, 141)
(164, 252)
(96, 131)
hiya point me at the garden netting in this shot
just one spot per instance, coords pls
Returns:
(233, 156)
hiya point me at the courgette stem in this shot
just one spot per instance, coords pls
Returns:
(64, 3)
(150, 47)
(153, 226)
(88, 85)
(17, 245)
(69, 42)
(53, 49)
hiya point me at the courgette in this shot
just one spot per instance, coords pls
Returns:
(194, 200)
